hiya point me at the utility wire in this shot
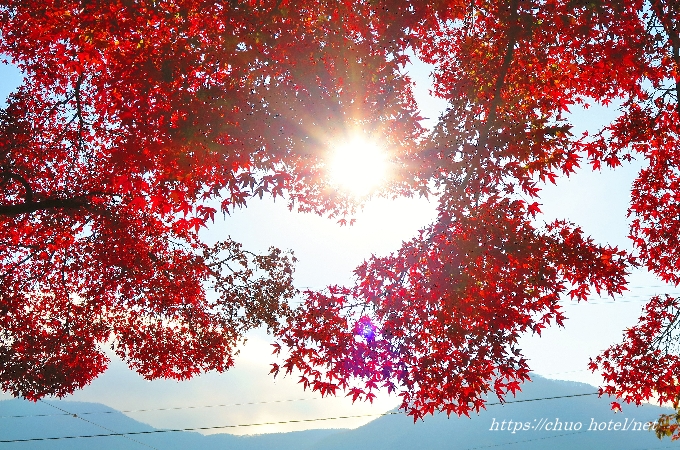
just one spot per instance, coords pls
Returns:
(224, 405)
(543, 398)
(263, 423)
(556, 436)
(173, 408)
(195, 428)
(97, 425)
(553, 437)
(527, 440)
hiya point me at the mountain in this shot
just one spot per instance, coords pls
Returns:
(581, 421)
(579, 418)
(21, 420)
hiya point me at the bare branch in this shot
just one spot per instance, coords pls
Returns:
(513, 32)
(28, 191)
(672, 30)
(52, 203)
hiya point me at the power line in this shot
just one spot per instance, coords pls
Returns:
(543, 398)
(173, 408)
(97, 425)
(196, 428)
(266, 423)
(553, 437)
(176, 408)
(527, 440)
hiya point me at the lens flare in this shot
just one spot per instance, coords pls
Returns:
(365, 328)
(358, 166)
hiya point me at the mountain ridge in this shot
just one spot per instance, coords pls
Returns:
(536, 409)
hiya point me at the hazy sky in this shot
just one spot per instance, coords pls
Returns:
(328, 253)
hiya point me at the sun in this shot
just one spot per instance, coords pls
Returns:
(358, 166)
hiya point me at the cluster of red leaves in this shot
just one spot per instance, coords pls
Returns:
(137, 120)
(134, 123)
(438, 321)
(645, 365)
(650, 348)
(168, 311)
(450, 305)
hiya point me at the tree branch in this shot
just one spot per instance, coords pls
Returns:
(52, 203)
(500, 80)
(513, 32)
(28, 194)
(672, 30)
(79, 112)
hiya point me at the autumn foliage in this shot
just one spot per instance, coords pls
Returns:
(137, 121)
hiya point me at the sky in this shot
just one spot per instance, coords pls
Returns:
(327, 254)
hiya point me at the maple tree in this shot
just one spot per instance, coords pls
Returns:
(136, 121)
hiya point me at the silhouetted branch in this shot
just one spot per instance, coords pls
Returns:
(52, 203)
(28, 191)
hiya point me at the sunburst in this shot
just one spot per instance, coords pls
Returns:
(358, 166)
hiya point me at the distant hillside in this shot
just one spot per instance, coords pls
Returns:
(578, 417)
(485, 430)
(45, 421)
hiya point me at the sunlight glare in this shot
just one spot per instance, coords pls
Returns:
(358, 166)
